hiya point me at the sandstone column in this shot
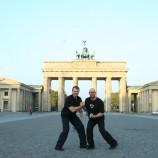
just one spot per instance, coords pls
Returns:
(143, 101)
(17, 108)
(135, 103)
(129, 102)
(45, 94)
(138, 102)
(75, 81)
(31, 100)
(108, 94)
(147, 101)
(46, 106)
(150, 100)
(21, 102)
(39, 101)
(10, 100)
(94, 83)
(49, 94)
(122, 95)
(61, 93)
(24, 99)
(25, 93)
(27, 98)
(1, 107)
(30, 96)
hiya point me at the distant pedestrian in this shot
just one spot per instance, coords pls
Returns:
(30, 110)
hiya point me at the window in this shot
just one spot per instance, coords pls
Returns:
(5, 105)
(5, 93)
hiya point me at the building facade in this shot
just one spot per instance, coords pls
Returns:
(84, 70)
(18, 97)
(145, 97)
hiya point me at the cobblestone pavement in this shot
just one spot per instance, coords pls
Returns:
(24, 136)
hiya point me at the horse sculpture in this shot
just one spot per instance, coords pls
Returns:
(92, 56)
(85, 54)
(77, 55)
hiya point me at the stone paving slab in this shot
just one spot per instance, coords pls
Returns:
(36, 137)
(10, 116)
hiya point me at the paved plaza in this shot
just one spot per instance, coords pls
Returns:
(24, 136)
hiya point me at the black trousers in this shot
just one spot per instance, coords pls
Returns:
(107, 137)
(76, 122)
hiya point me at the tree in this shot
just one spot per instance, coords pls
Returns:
(54, 99)
(115, 100)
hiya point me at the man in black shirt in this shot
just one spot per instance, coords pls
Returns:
(73, 103)
(95, 110)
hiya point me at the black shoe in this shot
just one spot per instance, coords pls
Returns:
(59, 148)
(113, 147)
(83, 146)
(90, 147)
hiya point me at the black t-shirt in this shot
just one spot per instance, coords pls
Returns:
(70, 101)
(94, 107)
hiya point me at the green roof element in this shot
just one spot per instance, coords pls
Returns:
(35, 86)
(133, 86)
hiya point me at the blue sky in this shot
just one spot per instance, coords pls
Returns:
(34, 31)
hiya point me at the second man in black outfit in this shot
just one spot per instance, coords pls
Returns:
(95, 110)
(73, 103)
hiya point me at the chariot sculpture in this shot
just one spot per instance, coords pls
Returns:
(85, 54)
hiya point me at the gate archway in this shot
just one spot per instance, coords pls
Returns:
(85, 70)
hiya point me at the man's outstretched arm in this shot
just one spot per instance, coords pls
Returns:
(96, 116)
(75, 109)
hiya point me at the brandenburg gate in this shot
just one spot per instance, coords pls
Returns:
(83, 69)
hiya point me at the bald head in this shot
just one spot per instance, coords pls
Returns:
(92, 90)
(92, 94)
